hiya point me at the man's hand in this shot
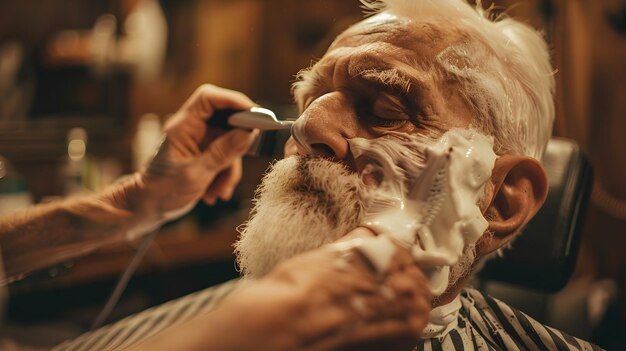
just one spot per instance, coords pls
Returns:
(327, 299)
(331, 299)
(193, 162)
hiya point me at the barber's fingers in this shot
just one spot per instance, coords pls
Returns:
(189, 121)
(227, 148)
(348, 303)
(400, 293)
(339, 317)
(394, 324)
(404, 293)
(229, 180)
(371, 322)
(210, 197)
(223, 186)
(208, 98)
(409, 283)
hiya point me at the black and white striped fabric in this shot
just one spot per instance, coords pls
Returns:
(139, 327)
(484, 323)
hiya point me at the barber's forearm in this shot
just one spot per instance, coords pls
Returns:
(203, 333)
(50, 233)
(257, 317)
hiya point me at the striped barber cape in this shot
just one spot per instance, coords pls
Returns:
(484, 323)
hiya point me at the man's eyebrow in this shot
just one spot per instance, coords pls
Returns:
(391, 78)
(306, 81)
(390, 73)
(398, 75)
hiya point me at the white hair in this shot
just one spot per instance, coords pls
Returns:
(504, 71)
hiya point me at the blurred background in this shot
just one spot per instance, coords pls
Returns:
(86, 85)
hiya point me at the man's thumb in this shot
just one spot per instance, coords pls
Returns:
(228, 147)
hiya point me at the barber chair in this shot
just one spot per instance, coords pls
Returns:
(542, 259)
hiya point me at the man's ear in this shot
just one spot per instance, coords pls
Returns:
(520, 187)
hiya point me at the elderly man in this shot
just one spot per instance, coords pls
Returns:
(419, 133)
(416, 70)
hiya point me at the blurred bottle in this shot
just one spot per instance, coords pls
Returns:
(14, 194)
(79, 173)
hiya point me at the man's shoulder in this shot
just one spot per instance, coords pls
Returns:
(500, 326)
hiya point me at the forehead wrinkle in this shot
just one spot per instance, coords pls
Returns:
(377, 32)
(375, 60)
(330, 66)
(401, 59)
(430, 31)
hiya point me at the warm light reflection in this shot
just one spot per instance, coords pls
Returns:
(76, 149)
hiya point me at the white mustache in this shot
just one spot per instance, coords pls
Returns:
(301, 204)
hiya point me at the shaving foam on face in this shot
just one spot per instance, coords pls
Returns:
(427, 198)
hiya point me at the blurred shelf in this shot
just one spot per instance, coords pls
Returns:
(45, 137)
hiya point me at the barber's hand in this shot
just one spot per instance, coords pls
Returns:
(193, 162)
(332, 299)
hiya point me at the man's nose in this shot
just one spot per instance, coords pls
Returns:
(325, 126)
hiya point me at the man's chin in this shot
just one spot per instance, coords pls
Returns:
(301, 204)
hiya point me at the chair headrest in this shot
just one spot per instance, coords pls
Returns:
(543, 257)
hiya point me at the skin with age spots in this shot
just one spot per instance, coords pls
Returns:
(349, 83)
(351, 91)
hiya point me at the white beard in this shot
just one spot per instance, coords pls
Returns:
(301, 204)
(463, 267)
